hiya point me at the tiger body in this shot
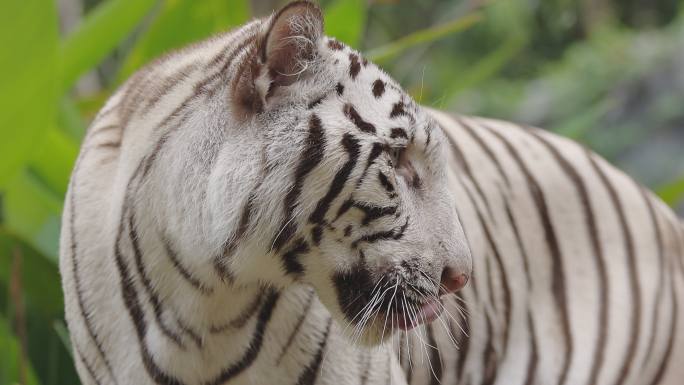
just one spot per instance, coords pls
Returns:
(193, 240)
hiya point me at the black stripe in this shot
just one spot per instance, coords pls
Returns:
(353, 115)
(519, 241)
(298, 326)
(339, 88)
(104, 113)
(80, 298)
(254, 345)
(111, 144)
(245, 315)
(187, 330)
(398, 132)
(315, 102)
(223, 54)
(531, 377)
(352, 147)
(487, 150)
(354, 65)
(130, 299)
(489, 359)
(100, 130)
(89, 369)
(655, 322)
(674, 306)
(673, 335)
(384, 181)
(633, 277)
(378, 88)
(344, 207)
(460, 155)
(490, 281)
(201, 87)
(463, 344)
(222, 270)
(593, 231)
(558, 273)
(290, 258)
(168, 84)
(231, 243)
(147, 284)
(151, 158)
(317, 234)
(374, 153)
(308, 377)
(312, 155)
(194, 282)
(396, 234)
(135, 88)
(372, 212)
(335, 45)
(398, 110)
(506, 288)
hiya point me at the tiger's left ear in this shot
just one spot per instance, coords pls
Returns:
(284, 48)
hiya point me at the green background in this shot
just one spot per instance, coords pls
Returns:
(608, 73)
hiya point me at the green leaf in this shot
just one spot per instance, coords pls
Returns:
(40, 276)
(53, 160)
(12, 361)
(488, 66)
(344, 20)
(41, 296)
(70, 120)
(672, 193)
(578, 126)
(423, 36)
(97, 35)
(180, 22)
(63, 334)
(28, 35)
(33, 212)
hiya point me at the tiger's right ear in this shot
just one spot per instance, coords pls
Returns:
(284, 49)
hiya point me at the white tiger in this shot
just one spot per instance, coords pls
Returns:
(267, 207)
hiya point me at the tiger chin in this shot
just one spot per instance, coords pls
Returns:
(263, 206)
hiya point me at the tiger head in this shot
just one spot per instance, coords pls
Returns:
(352, 196)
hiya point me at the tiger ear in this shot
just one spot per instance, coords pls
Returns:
(286, 45)
(291, 41)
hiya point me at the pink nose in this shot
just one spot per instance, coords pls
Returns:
(452, 280)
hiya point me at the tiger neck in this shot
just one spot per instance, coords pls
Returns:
(280, 333)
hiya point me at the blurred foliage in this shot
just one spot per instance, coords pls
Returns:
(608, 73)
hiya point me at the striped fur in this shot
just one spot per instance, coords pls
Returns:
(263, 206)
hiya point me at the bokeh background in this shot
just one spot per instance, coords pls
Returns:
(608, 73)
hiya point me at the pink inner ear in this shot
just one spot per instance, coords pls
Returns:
(291, 41)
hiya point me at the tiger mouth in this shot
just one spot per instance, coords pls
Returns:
(393, 301)
(406, 309)
(409, 313)
(427, 312)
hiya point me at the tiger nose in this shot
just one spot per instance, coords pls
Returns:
(452, 280)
